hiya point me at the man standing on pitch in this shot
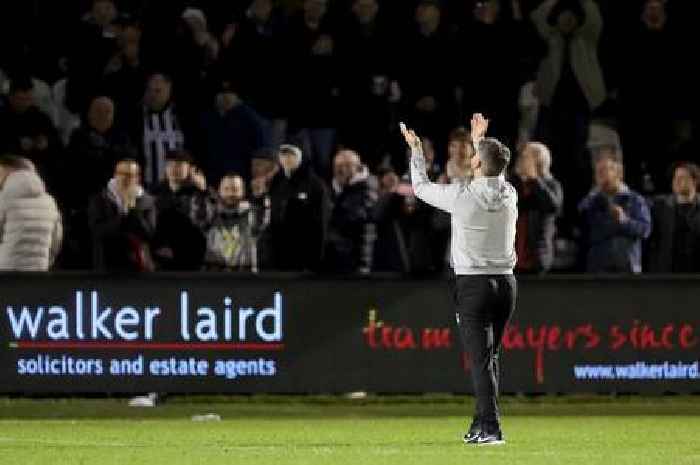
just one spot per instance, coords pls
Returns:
(484, 212)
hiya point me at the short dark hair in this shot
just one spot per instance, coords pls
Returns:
(692, 168)
(232, 174)
(265, 153)
(460, 134)
(167, 77)
(494, 156)
(126, 160)
(179, 155)
(15, 162)
(573, 6)
(608, 152)
(435, 3)
(21, 83)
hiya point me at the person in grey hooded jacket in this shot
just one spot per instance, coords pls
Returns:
(31, 230)
(483, 215)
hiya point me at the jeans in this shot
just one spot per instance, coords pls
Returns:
(484, 305)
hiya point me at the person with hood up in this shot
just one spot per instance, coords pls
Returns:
(483, 216)
(31, 230)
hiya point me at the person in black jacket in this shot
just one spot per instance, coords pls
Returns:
(428, 93)
(368, 81)
(675, 242)
(94, 149)
(299, 210)
(539, 202)
(351, 230)
(313, 92)
(179, 244)
(96, 146)
(411, 237)
(27, 131)
(230, 132)
(122, 220)
(259, 32)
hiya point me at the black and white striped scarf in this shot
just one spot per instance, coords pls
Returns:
(161, 133)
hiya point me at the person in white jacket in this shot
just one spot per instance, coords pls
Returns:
(483, 215)
(30, 223)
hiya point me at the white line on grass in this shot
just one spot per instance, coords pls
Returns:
(53, 442)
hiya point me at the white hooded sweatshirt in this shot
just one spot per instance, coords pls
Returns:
(483, 215)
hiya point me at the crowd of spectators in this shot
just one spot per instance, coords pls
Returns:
(263, 134)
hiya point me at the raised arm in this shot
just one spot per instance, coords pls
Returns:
(479, 126)
(593, 24)
(539, 18)
(442, 196)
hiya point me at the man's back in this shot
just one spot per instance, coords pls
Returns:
(484, 213)
(483, 227)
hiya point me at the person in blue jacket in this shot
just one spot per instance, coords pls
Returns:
(615, 219)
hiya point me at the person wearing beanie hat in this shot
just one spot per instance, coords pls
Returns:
(299, 213)
(196, 20)
(289, 158)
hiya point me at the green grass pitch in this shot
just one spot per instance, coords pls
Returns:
(382, 430)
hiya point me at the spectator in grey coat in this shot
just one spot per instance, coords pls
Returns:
(675, 243)
(539, 202)
(30, 223)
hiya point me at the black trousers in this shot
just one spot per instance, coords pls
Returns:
(483, 306)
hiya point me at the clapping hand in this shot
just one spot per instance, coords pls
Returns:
(412, 139)
(479, 126)
(618, 213)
